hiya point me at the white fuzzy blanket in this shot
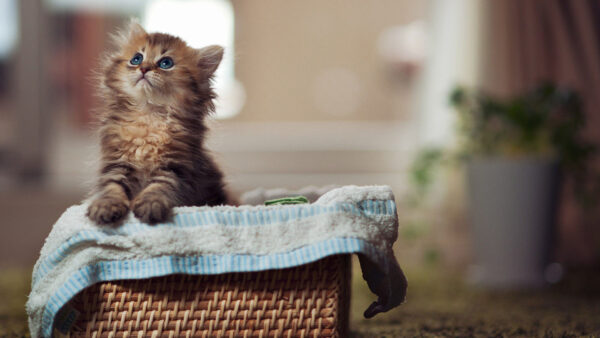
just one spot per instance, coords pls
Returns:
(212, 240)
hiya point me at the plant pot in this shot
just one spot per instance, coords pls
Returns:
(513, 206)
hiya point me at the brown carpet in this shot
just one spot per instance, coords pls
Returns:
(441, 305)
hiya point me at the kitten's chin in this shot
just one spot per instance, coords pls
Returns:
(147, 94)
(140, 92)
(143, 84)
(143, 87)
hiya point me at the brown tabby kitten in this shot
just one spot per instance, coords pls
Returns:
(156, 92)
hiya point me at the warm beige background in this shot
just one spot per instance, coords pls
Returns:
(282, 47)
(282, 137)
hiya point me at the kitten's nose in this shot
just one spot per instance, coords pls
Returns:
(144, 69)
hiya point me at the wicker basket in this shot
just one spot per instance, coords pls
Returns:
(306, 301)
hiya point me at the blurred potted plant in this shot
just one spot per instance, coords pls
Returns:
(517, 150)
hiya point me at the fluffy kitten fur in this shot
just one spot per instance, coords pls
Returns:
(152, 129)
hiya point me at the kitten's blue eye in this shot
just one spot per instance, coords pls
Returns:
(136, 59)
(166, 63)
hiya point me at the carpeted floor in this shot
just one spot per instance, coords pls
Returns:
(14, 287)
(438, 305)
(441, 305)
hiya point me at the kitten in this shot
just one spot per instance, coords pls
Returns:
(156, 92)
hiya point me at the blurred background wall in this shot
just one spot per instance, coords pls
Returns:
(318, 100)
(312, 93)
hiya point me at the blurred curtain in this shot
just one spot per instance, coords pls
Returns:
(535, 40)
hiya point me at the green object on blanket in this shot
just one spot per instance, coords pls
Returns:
(288, 200)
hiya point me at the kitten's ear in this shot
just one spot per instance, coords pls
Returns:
(209, 58)
(134, 29)
(128, 33)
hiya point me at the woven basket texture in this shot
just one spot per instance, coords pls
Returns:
(306, 301)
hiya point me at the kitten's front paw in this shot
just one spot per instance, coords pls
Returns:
(107, 210)
(151, 208)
